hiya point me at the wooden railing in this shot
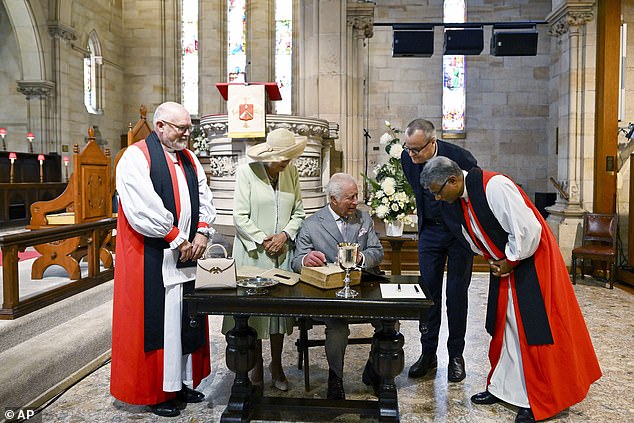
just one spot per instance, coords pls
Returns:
(94, 233)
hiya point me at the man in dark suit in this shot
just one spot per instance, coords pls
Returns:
(316, 245)
(440, 242)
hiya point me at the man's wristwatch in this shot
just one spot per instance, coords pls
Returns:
(203, 231)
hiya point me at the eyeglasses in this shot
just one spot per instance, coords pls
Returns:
(437, 193)
(180, 128)
(415, 151)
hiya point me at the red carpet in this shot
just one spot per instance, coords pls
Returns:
(23, 256)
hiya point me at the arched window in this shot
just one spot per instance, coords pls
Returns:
(93, 85)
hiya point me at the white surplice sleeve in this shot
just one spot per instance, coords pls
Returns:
(142, 206)
(515, 217)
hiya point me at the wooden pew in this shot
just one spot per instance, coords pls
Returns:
(87, 198)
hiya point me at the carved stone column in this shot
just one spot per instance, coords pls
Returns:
(575, 161)
(360, 20)
(331, 51)
(61, 36)
(41, 90)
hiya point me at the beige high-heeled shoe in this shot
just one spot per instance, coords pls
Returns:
(281, 383)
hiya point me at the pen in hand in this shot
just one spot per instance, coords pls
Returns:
(399, 287)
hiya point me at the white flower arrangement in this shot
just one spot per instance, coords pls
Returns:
(200, 141)
(391, 197)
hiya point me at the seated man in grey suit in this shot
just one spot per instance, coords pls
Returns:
(316, 245)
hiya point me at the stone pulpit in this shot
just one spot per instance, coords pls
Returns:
(220, 156)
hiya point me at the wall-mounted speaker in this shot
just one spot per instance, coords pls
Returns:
(468, 41)
(510, 42)
(419, 43)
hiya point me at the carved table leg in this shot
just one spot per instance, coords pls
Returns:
(388, 358)
(240, 355)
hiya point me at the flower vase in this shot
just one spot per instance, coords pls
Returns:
(394, 228)
(203, 153)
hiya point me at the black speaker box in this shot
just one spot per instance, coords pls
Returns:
(413, 43)
(467, 41)
(514, 43)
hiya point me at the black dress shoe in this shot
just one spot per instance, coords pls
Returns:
(165, 409)
(371, 378)
(484, 398)
(189, 396)
(335, 387)
(424, 364)
(524, 415)
(455, 371)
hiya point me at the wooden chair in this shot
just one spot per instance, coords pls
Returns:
(598, 244)
(85, 199)
(139, 132)
(303, 343)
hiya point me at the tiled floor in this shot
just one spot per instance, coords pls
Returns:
(609, 315)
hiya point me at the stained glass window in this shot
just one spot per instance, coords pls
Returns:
(236, 35)
(453, 70)
(189, 55)
(283, 54)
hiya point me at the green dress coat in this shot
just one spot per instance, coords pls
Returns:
(260, 210)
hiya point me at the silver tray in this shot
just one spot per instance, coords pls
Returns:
(257, 282)
(257, 285)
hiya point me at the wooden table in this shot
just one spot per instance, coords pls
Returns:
(303, 300)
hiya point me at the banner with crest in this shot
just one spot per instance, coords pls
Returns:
(246, 111)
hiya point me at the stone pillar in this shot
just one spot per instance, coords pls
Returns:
(212, 55)
(360, 19)
(333, 66)
(41, 90)
(62, 35)
(575, 121)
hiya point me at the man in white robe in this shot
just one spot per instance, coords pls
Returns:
(165, 214)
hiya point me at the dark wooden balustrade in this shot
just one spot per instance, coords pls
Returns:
(94, 232)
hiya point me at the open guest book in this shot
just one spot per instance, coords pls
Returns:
(282, 276)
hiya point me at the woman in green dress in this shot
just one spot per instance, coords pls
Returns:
(267, 214)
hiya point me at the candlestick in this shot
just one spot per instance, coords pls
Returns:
(30, 137)
(66, 160)
(40, 158)
(3, 133)
(12, 157)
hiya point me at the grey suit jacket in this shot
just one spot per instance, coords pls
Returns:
(320, 233)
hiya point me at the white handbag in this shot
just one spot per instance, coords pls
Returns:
(216, 272)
